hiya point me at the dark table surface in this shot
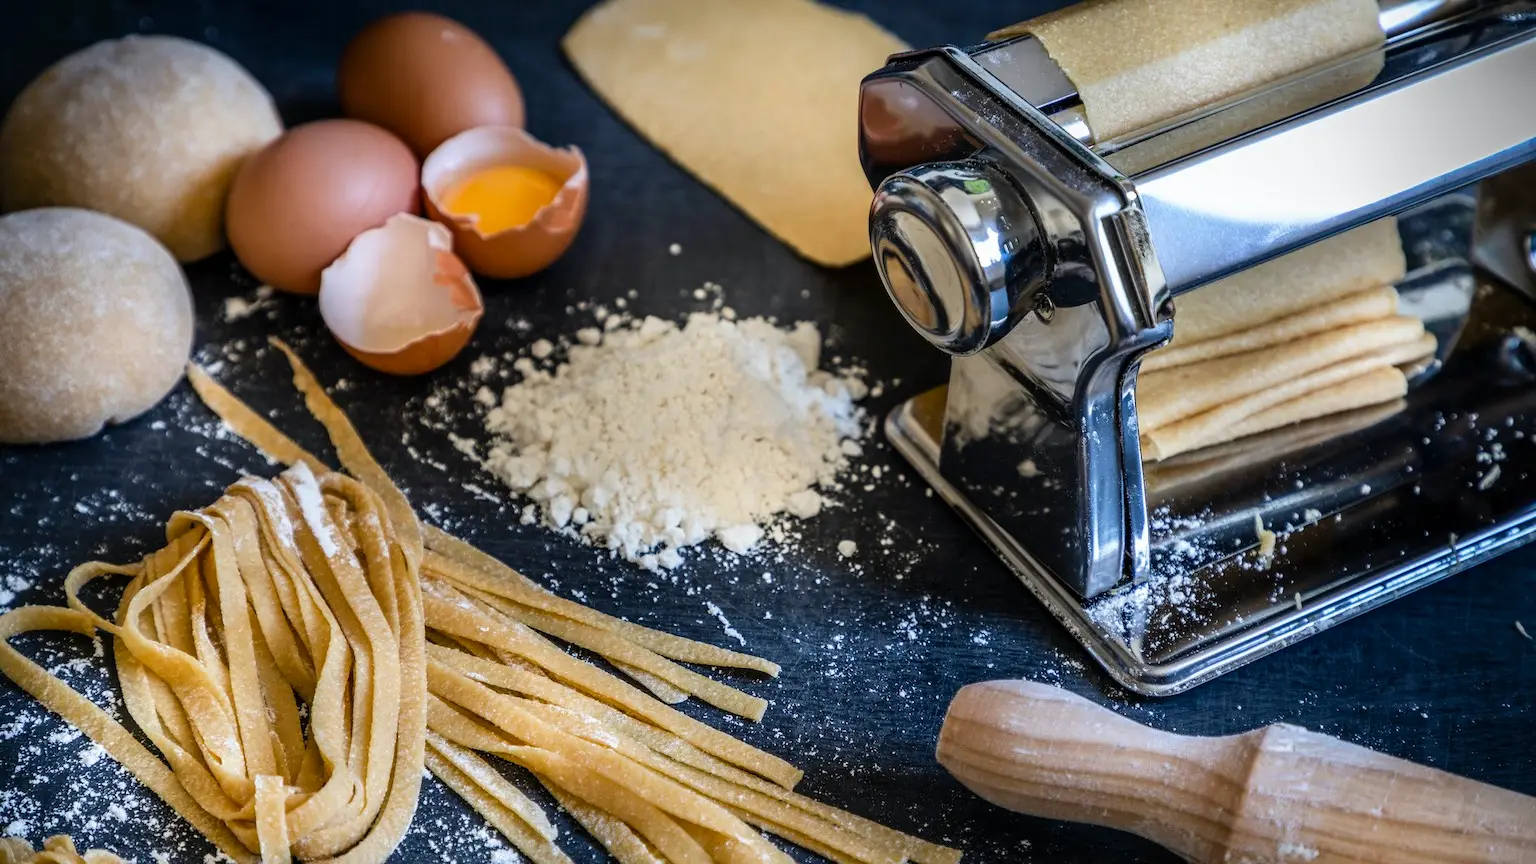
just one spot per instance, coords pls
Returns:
(873, 647)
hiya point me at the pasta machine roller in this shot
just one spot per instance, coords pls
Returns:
(1047, 263)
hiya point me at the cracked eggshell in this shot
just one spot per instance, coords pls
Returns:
(398, 299)
(520, 251)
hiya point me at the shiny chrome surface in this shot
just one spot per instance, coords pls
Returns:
(1506, 219)
(1368, 506)
(1260, 196)
(1100, 302)
(1404, 16)
(1038, 441)
(958, 251)
(1023, 65)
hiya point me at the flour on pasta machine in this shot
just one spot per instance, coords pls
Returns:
(1049, 264)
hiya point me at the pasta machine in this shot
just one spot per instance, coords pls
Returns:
(1048, 264)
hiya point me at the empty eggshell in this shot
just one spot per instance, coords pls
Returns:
(519, 251)
(398, 299)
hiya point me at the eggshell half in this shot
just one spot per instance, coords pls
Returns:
(520, 251)
(398, 299)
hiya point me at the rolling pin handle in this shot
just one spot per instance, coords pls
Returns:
(1276, 795)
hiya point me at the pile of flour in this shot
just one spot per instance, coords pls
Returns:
(653, 436)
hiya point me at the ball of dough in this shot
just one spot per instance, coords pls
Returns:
(150, 129)
(97, 323)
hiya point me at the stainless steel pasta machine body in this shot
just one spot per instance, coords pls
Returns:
(1047, 263)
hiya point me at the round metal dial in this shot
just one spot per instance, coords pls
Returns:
(956, 246)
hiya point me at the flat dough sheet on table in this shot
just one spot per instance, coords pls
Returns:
(757, 98)
(1136, 63)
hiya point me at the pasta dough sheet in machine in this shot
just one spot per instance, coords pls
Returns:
(1040, 231)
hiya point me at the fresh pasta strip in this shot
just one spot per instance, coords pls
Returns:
(464, 563)
(761, 801)
(538, 850)
(247, 423)
(98, 725)
(619, 839)
(409, 648)
(58, 849)
(617, 648)
(658, 687)
(354, 454)
(487, 778)
(466, 621)
(213, 700)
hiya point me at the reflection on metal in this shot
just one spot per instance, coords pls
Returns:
(958, 249)
(1039, 446)
(1366, 510)
(1506, 220)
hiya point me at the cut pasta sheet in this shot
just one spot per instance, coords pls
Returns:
(408, 648)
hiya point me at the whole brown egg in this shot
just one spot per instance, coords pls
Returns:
(296, 204)
(426, 78)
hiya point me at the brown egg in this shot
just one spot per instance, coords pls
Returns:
(531, 239)
(399, 300)
(426, 78)
(296, 205)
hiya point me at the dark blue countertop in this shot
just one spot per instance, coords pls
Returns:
(873, 647)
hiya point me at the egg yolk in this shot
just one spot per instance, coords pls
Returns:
(502, 197)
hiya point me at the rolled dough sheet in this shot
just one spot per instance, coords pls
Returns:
(1361, 380)
(1170, 395)
(757, 98)
(1381, 384)
(1262, 448)
(1361, 306)
(1137, 63)
(1365, 257)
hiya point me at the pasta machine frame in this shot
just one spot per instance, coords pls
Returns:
(1047, 262)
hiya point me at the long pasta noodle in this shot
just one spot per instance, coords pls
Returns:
(299, 650)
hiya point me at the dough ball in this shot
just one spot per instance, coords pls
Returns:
(97, 323)
(150, 129)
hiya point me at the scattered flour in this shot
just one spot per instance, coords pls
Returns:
(725, 623)
(666, 435)
(236, 308)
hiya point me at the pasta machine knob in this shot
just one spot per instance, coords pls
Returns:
(959, 251)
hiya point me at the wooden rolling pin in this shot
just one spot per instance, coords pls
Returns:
(1277, 794)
